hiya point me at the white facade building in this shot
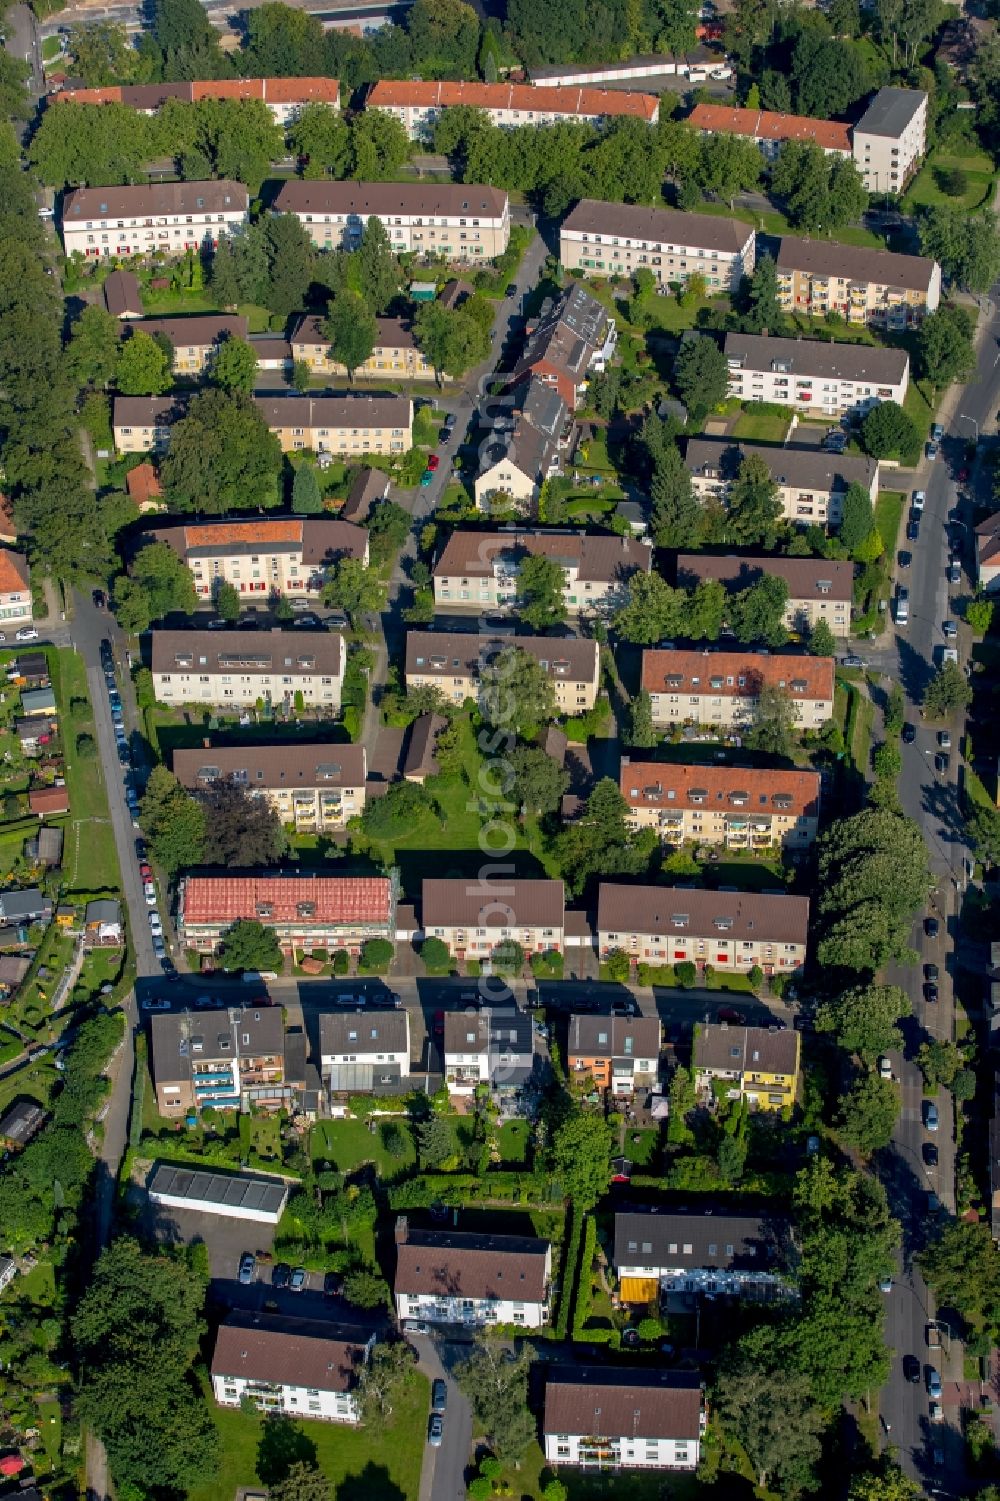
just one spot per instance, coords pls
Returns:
(815, 375)
(609, 239)
(660, 1251)
(621, 1419)
(465, 222)
(296, 1367)
(890, 138)
(455, 1277)
(171, 217)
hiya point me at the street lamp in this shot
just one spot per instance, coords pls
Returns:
(963, 418)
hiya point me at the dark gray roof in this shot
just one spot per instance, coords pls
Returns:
(274, 767)
(362, 200)
(103, 909)
(121, 294)
(359, 410)
(613, 1036)
(21, 1122)
(817, 357)
(420, 759)
(659, 226)
(463, 654)
(155, 198)
(181, 1039)
(890, 112)
(367, 1030)
(813, 468)
(807, 578)
(222, 1191)
(292, 652)
(368, 485)
(699, 1238)
(633, 1402)
(20, 906)
(882, 268)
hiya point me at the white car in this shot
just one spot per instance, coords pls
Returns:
(155, 925)
(918, 500)
(149, 892)
(885, 1068)
(26, 633)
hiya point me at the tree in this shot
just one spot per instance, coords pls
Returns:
(497, 1386)
(516, 692)
(301, 378)
(774, 725)
(221, 452)
(135, 1335)
(181, 26)
(435, 1141)
(173, 823)
(642, 734)
(888, 432)
(770, 1411)
(982, 828)
(945, 345)
(540, 586)
(436, 956)
(143, 366)
(102, 53)
(382, 1378)
(379, 146)
(380, 275)
(354, 588)
(249, 945)
(240, 829)
(940, 1062)
(868, 1113)
(847, 198)
(580, 1157)
(822, 642)
(403, 806)
(676, 513)
(618, 965)
(652, 610)
(864, 1019)
(92, 352)
(227, 601)
(599, 840)
(352, 331)
(377, 955)
(161, 583)
(727, 165)
(452, 340)
(321, 135)
(857, 517)
(758, 612)
(963, 1267)
(234, 364)
(967, 245)
(754, 505)
(887, 1483)
(366, 1290)
(763, 309)
(539, 782)
(307, 499)
(947, 693)
(701, 375)
(291, 258)
(979, 615)
(304, 1482)
(872, 877)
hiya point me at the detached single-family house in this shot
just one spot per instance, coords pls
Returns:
(102, 922)
(36, 701)
(301, 1368)
(365, 1051)
(703, 1250)
(48, 802)
(27, 906)
(619, 1053)
(622, 1419)
(20, 1123)
(757, 1064)
(456, 1277)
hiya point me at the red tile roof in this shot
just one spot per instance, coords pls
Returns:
(143, 484)
(666, 785)
(764, 125)
(271, 90)
(391, 93)
(220, 900)
(736, 674)
(14, 575)
(229, 533)
(48, 800)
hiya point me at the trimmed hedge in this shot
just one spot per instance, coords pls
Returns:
(461, 1188)
(570, 1261)
(585, 1286)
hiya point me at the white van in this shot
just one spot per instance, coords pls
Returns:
(902, 606)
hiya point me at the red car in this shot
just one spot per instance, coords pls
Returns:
(730, 1014)
(145, 872)
(433, 462)
(963, 476)
(439, 1024)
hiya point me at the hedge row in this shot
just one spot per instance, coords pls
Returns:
(585, 1285)
(460, 1188)
(570, 1261)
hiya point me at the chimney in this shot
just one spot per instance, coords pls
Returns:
(402, 1229)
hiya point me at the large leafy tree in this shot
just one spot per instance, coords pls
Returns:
(872, 876)
(676, 515)
(538, 781)
(382, 1379)
(321, 135)
(240, 830)
(92, 352)
(580, 1157)
(771, 1412)
(598, 841)
(945, 345)
(888, 432)
(701, 376)
(352, 331)
(497, 1386)
(304, 1482)
(354, 588)
(291, 258)
(758, 612)
(540, 586)
(967, 245)
(864, 1019)
(172, 821)
(144, 367)
(947, 692)
(160, 583)
(516, 692)
(754, 505)
(221, 454)
(652, 610)
(234, 365)
(963, 1267)
(857, 517)
(249, 945)
(775, 725)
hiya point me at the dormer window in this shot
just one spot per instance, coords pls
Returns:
(265, 909)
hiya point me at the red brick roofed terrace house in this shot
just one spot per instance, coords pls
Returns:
(304, 912)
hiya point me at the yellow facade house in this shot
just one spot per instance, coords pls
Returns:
(757, 1064)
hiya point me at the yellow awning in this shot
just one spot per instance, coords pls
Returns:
(640, 1289)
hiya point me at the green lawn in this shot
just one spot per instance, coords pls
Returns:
(51, 48)
(90, 859)
(888, 514)
(773, 222)
(50, 1427)
(976, 165)
(668, 316)
(350, 1144)
(918, 404)
(35, 1082)
(762, 427)
(515, 1137)
(167, 304)
(379, 1462)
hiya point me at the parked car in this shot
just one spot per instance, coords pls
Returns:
(299, 605)
(155, 925)
(935, 1412)
(931, 927)
(950, 629)
(885, 1068)
(433, 461)
(280, 1275)
(911, 1369)
(426, 478)
(149, 892)
(929, 1153)
(931, 994)
(155, 1004)
(909, 734)
(332, 1283)
(298, 1279)
(159, 948)
(435, 1431)
(931, 450)
(852, 661)
(511, 289)
(731, 1015)
(885, 1284)
(941, 764)
(248, 1266)
(937, 432)
(26, 633)
(931, 972)
(933, 1379)
(931, 1118)
(439, 1395)
(905, 559)
(919, 497)
(944, 739)
(912, 530)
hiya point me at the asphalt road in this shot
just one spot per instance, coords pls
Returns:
(910, 656)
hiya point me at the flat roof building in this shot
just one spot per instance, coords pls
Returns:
(238, 1196)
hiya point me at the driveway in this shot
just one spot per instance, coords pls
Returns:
(443, 1475)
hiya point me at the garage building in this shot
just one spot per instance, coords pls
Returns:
(239, 1196)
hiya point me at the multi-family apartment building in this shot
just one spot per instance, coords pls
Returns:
(890, 138)
(456, 1277)
(473, 916)
(659, 1251)
(815, 375)
(618, 1053)
(285, 97)
(193, 340)
(312, 788)
(478, 571)
(298, 1368)
(770, 130)
(278, 668)
(732, 807)
(570, 339)
(464, 222)
(228, 1059)
(417, 104)
(811, 482)
(528, 431)
(722, 688)
(494, 1047)
(15, 589)
(303, 911)
(603, 1419)
(988, 553)
(756, 1064)
(864, 286)
(364, 1051)
(617, 239)
(264, 557)
(817, 589)
(394, 356)
(454, 662)
(353, 425)
(730, 930)
(169, 217)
